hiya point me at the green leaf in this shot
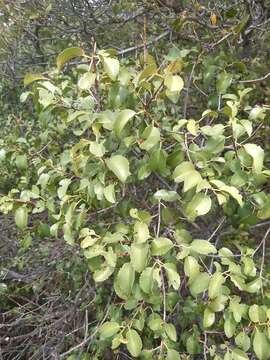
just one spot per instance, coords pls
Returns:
(174, 83)
(192, 127)
(208, 318)
(198, 206)
(199, 284)
(229, 326)
(109, 193)
(160, 246)
(172, 355)
(257, 154)
(215, 130)
(86, 81)
(186, 172)
(215, 283)
(103, 274)
(257, 314)
(134, 343)
(119, 165)
(264, 212)
(261, 345)
(64, 184)
(121, 120)
(157, 161)
(141, 232)
(223, 82)
(239, 355)
(97, 149)
(139, 256)
(2, 154)
(203, 247)
(88, 241)
(166, 195)
(68, 234)
(257, 113)
(148, 71)
(110, 257)
(21, 162)
(93, 251)
(191, 266)
(21, 217)
(108, 329)
(172, 275)
(151, 137)
(171, 331)
(243, 341)
(67, 55)
(146, 280)
(112, 67)
(231, 190)
(117, 341)
(126, 277)
(155, 323)
(30, 78)
(193, 345)
(253, 286)
(247, 125)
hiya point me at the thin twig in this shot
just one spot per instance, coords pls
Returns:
(263, 250)
(187, 93)
(253, 81)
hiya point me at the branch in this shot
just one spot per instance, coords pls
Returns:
(253, 81)
(133, 48)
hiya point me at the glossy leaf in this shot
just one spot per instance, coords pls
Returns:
(215, 283)
(67, 55)
(203, 247)
(261, 345)
(147, 280)
(160, 246)
(139, 256)
(119, 165)
(257, 154)
(198, 206)
(21, 217)
(30, 78)
(111, 67)
(126, 277)
(172, 355)
(172, 275)
(134, 344)
(174, 83)
(186, 172)
(121, 120)
(109, 329)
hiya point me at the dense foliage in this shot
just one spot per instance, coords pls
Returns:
(152, 171)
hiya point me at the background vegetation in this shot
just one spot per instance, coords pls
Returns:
(134, 180)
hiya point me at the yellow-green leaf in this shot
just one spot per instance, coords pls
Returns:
(203, 247)
(119, 165)
(134, 344)
(68, 54)
(174, 83)
(21, 217)
(261, 345)
(160, 246)
(122, 118)
(139, 256)
(30, 78)
(111, 66)
(109, 329)
(257, 154)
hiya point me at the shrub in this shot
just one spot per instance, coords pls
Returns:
(158, 203)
